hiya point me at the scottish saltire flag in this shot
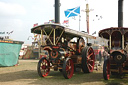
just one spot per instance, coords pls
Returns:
(72, 12)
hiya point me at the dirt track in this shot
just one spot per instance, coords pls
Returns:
(26, 74)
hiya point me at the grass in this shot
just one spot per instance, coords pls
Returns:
(26, 74)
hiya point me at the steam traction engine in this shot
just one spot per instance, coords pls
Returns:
(117, 63)
(59, 52)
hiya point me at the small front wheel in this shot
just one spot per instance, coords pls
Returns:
(106, 70)
(43, 67)
(68, 68)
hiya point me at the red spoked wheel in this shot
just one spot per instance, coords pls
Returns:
(68, 68)
(43, 67)
(106, 70)
(88, 60)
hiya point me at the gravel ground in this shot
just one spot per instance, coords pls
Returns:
(26, 74)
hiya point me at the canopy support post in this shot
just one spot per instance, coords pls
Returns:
(54, 37)
(123, 41)
(110, 41)
(41, 37)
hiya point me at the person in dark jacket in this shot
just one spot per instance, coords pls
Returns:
(105, 53)
(100, 58)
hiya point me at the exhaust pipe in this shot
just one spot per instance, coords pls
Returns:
(120, 13)
(57, 11)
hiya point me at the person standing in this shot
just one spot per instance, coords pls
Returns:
(105, 53)
(100, 58)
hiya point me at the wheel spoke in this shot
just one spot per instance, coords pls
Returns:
(90, 54)
(90, 65)
(67, 68)
(91, 60)
(44, 72)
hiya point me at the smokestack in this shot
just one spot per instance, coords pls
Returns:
(120, 13)
(57, 11)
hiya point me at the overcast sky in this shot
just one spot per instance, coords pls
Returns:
(20, 15)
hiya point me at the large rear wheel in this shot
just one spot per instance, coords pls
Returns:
(68, 68)
(88, 59)
(106, 70)
(43, 67)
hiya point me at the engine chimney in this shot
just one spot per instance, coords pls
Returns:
(57, 11)
(120, 13)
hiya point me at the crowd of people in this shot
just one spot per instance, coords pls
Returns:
(103, 55)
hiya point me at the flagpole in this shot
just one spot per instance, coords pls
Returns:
(87, 17)
(79, 22)
(87, 10)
